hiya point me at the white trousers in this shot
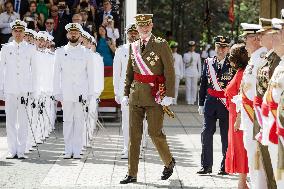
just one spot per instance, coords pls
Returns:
(257, 177)
(31, 128)
(90, 123)
(16, 124)
(177, 81)
(73, 124)
(273, 151)
(125, 129)
(191, 89)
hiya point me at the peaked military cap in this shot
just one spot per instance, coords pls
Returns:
(42, 35)
(250, 28)
(73, 27)
(130, 27)
(86, 35)
(143, 19)
(222, 41)
(265, 24)
(30, 32)
(173, 44)
(18, 24)
(277, 24)
(191, 43)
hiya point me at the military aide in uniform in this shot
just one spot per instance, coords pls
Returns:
(273, 129)
(261, 118)
(247, 93)
(73, 85)
(15, 84)
(150, 67)
(217, 73)
(120, 62)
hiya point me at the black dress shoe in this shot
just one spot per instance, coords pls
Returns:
(222, 172)
(204, 171)
(168, 171)
(128, 179)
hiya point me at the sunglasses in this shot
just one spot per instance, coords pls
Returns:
(49, 23)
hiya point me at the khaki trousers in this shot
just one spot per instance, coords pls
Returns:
(155, 116)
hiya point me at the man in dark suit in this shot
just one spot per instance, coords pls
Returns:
(59, 32)
(216, 75)
(21, 7)
(107, 10)
(87, 25)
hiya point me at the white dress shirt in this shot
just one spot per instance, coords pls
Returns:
(5, 20)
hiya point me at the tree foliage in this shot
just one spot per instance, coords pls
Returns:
(187, 18)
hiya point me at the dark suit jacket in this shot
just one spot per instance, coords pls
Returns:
(224, 77)
(59, 34)
(87, 29)
(100, 17)
(24, 7)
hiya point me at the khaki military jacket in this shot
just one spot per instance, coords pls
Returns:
(158, 57)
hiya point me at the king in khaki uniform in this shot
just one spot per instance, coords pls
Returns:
(149, 89)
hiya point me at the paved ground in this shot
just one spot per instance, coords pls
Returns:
(102, 167)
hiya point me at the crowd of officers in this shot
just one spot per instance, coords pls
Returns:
(34, 78)
(259, 107)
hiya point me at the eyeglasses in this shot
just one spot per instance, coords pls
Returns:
(49, 23)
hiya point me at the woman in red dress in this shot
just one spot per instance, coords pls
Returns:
(236, 157)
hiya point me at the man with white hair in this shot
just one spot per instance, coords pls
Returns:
(74, 87)
(15, 86)
(119, 74)
(247, 93)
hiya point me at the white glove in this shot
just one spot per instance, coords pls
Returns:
(2, 96)
(167, 101)
(201, 110)
(58, 97)
(97, 95)
(90, 98)
(118, 99)
(124, 101)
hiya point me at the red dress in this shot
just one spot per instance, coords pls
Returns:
(236, 157)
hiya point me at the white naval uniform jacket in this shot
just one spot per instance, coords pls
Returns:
(192, 69)
(98, 74)
(178, 65)
(248, 85)
(43, 72)
(120, 62)
(74, 73)
(16, 69)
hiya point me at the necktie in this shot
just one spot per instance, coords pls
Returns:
(17, 6)
(143, 45)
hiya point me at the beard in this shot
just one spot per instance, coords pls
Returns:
(74, 40)
(132, 39)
